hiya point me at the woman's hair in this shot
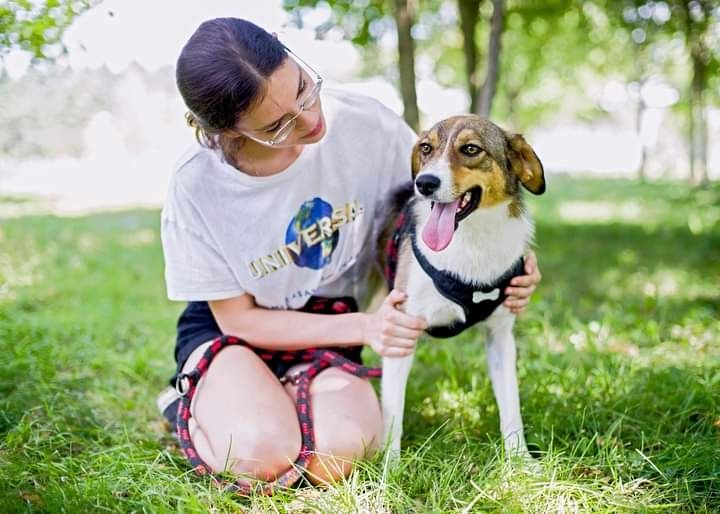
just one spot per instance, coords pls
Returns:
(221, 73)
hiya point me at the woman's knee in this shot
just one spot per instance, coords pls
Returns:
(348, 426)
(264, 453)
(244, 420)
(336, 452)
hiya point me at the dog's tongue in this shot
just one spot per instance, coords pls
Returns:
(440, 227)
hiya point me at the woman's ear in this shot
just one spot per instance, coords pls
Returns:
(525, 164)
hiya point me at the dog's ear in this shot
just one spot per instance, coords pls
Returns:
(415, 159)
(525, 164)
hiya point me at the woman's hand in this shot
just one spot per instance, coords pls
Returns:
(391, 332)
(522, 287)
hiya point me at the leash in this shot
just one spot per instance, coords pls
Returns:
(186, 386)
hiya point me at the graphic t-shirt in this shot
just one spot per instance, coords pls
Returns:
(308, 230)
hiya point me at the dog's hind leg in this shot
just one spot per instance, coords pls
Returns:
(502, 357)
(394, 381)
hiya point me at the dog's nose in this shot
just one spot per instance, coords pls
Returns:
(427, 184)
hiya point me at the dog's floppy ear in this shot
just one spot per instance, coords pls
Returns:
(525, 164)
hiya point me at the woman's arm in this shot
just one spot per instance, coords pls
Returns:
(388, 330)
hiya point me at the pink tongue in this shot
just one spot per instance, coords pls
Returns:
(440, 227)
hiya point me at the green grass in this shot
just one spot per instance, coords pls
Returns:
(619, 372)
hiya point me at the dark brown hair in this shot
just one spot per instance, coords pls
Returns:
(221, 73)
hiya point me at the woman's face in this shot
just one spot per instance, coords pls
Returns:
(287, 89)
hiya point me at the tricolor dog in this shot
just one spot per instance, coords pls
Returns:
(453, 240)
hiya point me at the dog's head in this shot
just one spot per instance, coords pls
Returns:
(466, 163)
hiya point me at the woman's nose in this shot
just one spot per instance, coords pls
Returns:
(307, 119)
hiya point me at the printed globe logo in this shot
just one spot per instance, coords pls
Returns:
(318, 255)
(311, 237)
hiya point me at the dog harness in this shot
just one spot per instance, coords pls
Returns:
(319, 358)
(478, 301)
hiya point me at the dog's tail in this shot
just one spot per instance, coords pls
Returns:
(396, 200)
(400, 196)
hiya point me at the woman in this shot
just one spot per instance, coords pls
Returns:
(275, 208)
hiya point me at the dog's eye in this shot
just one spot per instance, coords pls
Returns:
(471, 150)
(425, 148)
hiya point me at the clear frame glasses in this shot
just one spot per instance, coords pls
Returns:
(284, 130)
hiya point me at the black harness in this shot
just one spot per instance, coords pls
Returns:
(478, 301)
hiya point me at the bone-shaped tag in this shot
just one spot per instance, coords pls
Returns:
(479, 296)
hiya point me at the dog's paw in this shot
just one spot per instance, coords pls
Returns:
(521, 458)
(391, 458)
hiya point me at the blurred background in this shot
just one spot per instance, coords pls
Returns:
(91, 118)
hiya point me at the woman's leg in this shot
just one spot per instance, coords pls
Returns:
(347, 419)
(242, 419)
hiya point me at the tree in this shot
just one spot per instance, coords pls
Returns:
(469, 11)
(404, 16)
(37, 27)
(361, 23)
(698, 16)
(481, 96)
(487, 91)
(650, 24)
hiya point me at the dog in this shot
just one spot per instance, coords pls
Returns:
(452, 241)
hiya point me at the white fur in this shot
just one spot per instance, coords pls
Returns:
(484, 246)
(441, 169)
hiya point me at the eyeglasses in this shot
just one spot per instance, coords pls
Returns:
(282, 132)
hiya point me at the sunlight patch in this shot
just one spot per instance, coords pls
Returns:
(600, 211)
(139, 238)
(454, 404)
(16, 273)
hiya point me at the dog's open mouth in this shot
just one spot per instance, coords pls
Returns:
(445, 217)
(468, 202)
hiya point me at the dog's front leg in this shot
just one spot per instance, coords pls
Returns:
(502, 357)
(394, 380)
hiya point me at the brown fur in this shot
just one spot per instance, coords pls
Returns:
(504, 162)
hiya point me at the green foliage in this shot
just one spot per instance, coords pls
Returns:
(551, 50)
(619, 372)
(38, 26)
(358, 20)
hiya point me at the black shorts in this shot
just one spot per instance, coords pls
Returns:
(197, 325)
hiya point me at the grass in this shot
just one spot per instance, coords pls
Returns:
(619, 372)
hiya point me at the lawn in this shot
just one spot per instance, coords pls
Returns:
(619, 368)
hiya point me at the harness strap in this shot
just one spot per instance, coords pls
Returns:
(477, 300)
(320, 359)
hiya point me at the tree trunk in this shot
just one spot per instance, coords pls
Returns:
(638, 130)
(469, 12)
(698, 132)
(404, 16)
(487, 92)
(640, 76)
(695, 34)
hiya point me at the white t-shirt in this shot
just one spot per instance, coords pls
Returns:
(309, 230)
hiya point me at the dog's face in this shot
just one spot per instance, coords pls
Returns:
(467, 163)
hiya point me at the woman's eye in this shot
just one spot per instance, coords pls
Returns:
(425, 148)
(471, 150)
(273, 128)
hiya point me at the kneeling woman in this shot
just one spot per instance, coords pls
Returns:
(271, 215)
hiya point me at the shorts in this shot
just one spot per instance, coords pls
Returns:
(197, 326)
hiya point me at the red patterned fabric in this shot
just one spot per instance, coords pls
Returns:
(319, 358)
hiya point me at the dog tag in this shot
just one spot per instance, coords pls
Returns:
(479, 296)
